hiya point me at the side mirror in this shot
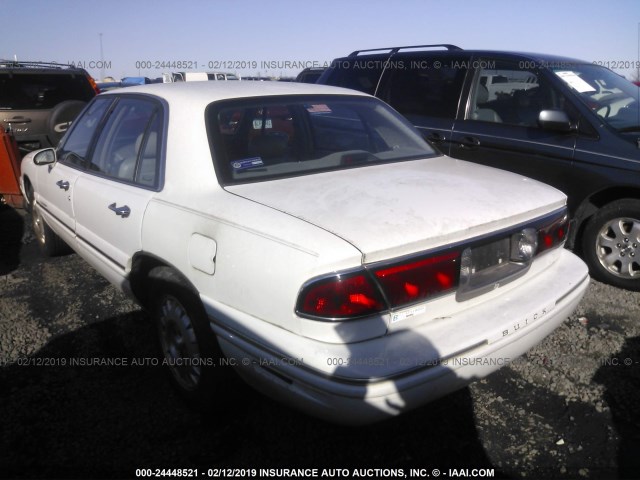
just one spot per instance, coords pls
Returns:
(45, 157)
(557, 120)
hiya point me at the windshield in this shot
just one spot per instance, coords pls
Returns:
(613, 98)
(275, 137)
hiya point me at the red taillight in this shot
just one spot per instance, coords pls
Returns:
(341, 297)
(419, 280)
(553, 234)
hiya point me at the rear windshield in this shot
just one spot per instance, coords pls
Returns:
(29, 91)
(276, 137)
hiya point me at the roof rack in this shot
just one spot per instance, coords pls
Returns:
(21, 64)
(393, 50)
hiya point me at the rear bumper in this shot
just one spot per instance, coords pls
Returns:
(368, 381)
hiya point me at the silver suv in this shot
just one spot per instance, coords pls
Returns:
(38, 101)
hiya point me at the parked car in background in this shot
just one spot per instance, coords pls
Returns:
(105, 86)
(38, 100)
(569, 123)
(197, 76)
(257, 79)
(222, 76)
(309, 75)
(308, 236)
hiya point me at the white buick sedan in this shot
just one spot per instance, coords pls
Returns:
(308, 236)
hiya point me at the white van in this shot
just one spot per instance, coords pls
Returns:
(197, 76)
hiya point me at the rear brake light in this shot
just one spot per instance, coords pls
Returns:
(553, 234)
(379, 288)
(341, 296)
(419, 280)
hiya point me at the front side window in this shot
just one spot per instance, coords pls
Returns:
(615, 100)
(277, 137)
(127, 147)
(76, 145)
(511, 95)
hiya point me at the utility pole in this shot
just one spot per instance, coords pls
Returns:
(101, 59)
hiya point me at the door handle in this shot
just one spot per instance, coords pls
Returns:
(17, 120)
(435, 137)
(469, 143)
(64, 185)
(120, 211)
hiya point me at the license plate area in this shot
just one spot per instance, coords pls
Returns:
(486, 267)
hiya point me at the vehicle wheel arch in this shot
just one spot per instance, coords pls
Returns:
(593, 204)
(29, 193)
(609, 243)
(146, 267)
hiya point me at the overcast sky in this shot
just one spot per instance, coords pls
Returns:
(148, 37)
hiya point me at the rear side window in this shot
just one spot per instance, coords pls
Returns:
(360, 74)
(127, 148)
(420, 87)
(29, 91)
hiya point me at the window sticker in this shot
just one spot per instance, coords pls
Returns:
(257, 123)
(574, 81)
(319, 108)
(239, 165)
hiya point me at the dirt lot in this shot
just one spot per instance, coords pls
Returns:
(568, 409)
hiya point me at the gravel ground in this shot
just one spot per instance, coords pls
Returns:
(568, 409)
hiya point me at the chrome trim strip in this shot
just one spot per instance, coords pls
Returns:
(104, 255)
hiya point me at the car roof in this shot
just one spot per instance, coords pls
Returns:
(205, 92)
(38, 67)
(538, 57)
(541, 58)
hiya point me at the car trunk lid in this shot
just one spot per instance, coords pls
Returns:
(397, 209)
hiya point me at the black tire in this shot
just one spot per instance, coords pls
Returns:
(51, 245)
(611, 244)
(194, 367)
(61, 117)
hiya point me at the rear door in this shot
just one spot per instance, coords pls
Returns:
(500, 125)
(123, 174)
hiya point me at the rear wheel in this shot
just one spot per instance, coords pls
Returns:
(611, 244)
(49, 242)
(189, 347)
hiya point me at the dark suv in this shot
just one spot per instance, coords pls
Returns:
(566, 122)
(38, 101)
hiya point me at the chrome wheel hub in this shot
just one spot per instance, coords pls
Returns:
(618, 247)
(179, 343)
